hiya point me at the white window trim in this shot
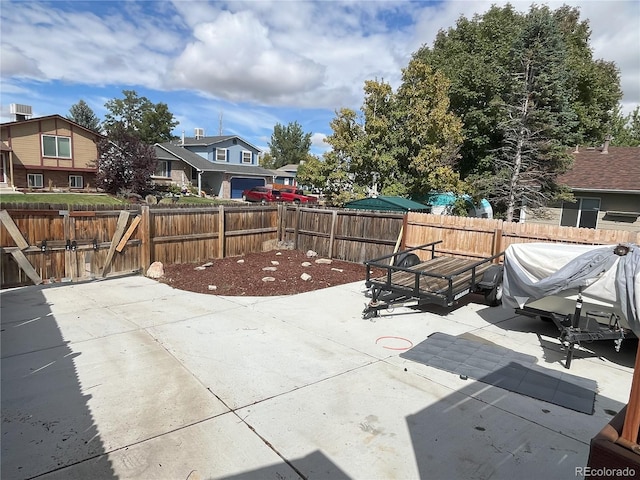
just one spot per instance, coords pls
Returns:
(250, 156)
(34, 176)
(57, 148)
(579, 201)
(225, 154)
(76, 177)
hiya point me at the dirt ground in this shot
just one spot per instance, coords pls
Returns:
(243, 275)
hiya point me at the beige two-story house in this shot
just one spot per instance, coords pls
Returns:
(48, 152)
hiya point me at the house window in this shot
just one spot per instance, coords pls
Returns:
(75, 181)
(246, 157)
(54, 146)
(581, 213)
(221, 154)
(35, 180)
(163, 169)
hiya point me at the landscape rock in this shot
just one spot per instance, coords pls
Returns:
(274, 262)
(311, 253)
(268, 279)
(212, 287)
(324, 261)
(200, 268)
(241, 261)
(278, 253)
(208, 264)
(306, 277)
(337, 270)
(306, 264)
(270, 269)
(155, 270)
(286, 244)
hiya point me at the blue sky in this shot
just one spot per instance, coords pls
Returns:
(246, 65)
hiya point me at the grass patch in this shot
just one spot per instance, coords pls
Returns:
(61, 199)
(96, 199)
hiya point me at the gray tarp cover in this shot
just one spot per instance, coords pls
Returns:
(584, 270)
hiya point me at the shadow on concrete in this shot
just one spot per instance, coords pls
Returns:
(553, 352)
(46, 420)
(461, 437)
(314, 465)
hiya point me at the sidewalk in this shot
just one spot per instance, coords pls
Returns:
(128, 378)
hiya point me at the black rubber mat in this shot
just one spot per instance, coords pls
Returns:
(504, 368)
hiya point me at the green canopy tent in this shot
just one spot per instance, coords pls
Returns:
(389, 204)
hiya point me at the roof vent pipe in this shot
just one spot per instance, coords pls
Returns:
(605, 147)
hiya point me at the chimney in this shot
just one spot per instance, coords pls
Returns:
(605, 146)
(182, 139)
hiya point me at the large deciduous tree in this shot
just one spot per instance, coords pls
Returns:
(82, 114)
(289, 144)
(476, 55)
(125, 164)
(428, 134)
(138, 116)
(403, 143)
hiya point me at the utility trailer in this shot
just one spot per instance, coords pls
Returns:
(588, 291)
(440, 280)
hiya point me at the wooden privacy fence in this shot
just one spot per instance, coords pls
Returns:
(61, 245)
(479, 237)
(40, 245)
(350, 235)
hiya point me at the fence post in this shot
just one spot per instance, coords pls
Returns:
(332, 234)
(145, 238)
(70, 257)
(497, 243)
(221, 232)
(295, 228)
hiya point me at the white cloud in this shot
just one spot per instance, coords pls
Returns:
(277, 54)
(234, 58)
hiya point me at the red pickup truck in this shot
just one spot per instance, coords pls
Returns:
(261, 194)
(296, 195)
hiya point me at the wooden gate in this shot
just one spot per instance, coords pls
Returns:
(63, 245)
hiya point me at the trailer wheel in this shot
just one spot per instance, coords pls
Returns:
(493, 297)
(406, 260)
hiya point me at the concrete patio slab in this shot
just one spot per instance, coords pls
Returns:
(244, 358)
(128, 378)
(222, 447)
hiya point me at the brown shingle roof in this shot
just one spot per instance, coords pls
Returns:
(614, 171)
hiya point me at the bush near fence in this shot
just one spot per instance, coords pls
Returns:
(110, 242)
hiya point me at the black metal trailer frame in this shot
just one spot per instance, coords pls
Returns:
(581, 327)
(440, 280)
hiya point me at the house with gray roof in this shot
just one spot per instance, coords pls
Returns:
(220, 165)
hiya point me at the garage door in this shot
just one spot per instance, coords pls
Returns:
(240, 184)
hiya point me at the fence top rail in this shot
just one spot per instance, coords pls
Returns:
(346, 211)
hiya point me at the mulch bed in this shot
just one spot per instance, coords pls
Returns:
(243, 275)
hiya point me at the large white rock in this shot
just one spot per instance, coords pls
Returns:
(155, 270)
(325, 261)
(311, 253)
(306, 277)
